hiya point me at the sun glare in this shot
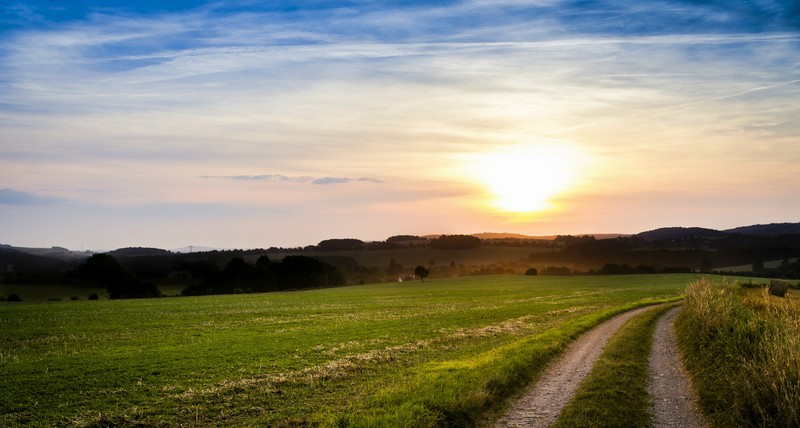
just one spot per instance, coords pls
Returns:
(524, 179)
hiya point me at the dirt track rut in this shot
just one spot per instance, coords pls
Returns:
(674, 401)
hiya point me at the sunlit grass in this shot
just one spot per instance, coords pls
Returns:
(431, 352)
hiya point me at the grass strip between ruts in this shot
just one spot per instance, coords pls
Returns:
(615, 392)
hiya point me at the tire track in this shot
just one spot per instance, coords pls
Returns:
(674, 400)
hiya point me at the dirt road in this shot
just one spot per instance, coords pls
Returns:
(673, 399)
(541, 405)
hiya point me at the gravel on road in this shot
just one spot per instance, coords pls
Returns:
(674, 400)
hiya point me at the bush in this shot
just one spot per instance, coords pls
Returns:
(13, 298)
(531, 272)
(94, 296)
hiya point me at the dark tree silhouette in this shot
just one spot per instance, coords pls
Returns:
(102, 268)
(105, 270)
(616, 269)
(455, 242)
(422, 272)
(291, 273)
(341, 245)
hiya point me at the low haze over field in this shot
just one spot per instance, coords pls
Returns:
(237, 125)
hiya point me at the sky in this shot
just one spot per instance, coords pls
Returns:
(246, 124)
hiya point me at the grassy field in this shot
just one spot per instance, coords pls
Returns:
(743, 348)
(40, 293)
(36, 292)
(439, 353)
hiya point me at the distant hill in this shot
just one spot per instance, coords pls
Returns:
(138, 252)
(773, 229)
(25, 264)
(490, 235)
(197, 249)
(54, 252)
(605, 235)
(681, 233)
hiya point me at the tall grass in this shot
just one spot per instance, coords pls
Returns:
(743, 350)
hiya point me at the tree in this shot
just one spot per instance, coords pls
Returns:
(102, 268)
(422, 272)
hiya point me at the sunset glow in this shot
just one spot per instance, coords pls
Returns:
(523, 178)
(253, 124)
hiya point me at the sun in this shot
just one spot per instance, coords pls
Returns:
(525, 178)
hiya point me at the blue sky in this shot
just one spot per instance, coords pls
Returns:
(251, 124)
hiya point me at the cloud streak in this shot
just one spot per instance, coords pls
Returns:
(16, 197)
(297, 179)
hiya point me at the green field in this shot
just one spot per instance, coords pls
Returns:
(437, 353)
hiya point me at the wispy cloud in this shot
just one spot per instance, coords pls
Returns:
(344, 180)
(265, 177)
(15, 197)
(297, 179)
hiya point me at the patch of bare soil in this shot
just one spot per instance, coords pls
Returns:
(674, 400)
(541, 405)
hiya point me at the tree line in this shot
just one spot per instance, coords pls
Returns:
(292, 273)
(238, 276)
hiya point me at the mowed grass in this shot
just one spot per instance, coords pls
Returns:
(437, 353)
